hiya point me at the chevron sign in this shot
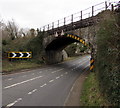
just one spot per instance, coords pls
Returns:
(19, 54)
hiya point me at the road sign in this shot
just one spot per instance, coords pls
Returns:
(19, 54)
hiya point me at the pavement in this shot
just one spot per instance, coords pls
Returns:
(47, 86)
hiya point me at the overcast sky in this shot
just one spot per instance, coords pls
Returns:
(37, 13)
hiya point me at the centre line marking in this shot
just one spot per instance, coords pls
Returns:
(11, 104)
(66, 72)
(57, 70)
(51, 80)
(22, 82)
(32, 91)
(62, 75)
(57, 77)
(43, 85)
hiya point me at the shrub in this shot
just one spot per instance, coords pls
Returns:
(108, 58)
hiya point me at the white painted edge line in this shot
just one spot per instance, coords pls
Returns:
(22, 82)
(10, 79)
(32, 91)
(57, 70)
(43, 85)
(11, 104)
(72, 89)
(51, 80)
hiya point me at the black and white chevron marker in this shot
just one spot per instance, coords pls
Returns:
(19, 54)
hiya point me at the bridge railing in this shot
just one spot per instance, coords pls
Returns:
(83, 14)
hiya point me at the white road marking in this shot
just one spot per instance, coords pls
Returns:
(66, 72)
(51, 80)
(32, 91)
(43, 85)
(57, 77)
(10, 78)
(79, 65)
(11, 104)
(61, 75)
(22, 82)
(57, 70)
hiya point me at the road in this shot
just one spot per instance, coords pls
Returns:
(47, 86)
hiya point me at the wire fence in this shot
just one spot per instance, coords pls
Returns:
(83, 14)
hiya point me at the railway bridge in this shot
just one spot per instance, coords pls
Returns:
(79, 27)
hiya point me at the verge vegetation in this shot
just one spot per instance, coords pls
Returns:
(91, 95)
(102, 88)
(108, 57)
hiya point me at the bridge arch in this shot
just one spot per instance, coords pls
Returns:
(54, 48)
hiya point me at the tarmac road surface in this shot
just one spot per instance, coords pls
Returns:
(48, 86)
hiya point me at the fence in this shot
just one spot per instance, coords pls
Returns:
(86, 13)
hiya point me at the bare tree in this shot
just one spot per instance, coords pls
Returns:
(12, 29)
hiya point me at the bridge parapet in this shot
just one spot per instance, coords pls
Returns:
(81, 18)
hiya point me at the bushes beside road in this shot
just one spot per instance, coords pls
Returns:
(102, 88)
(108, 57)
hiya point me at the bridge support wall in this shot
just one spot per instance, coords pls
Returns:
(53, 56)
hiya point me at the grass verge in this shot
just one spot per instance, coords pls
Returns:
(7, 66)
(91, 95)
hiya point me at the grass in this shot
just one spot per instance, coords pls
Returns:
(7, 66)
(91, 95)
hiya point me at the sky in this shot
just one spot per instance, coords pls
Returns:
(37, 13)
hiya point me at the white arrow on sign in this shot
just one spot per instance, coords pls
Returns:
(14, 54)
(28, 54)
(21, 54)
